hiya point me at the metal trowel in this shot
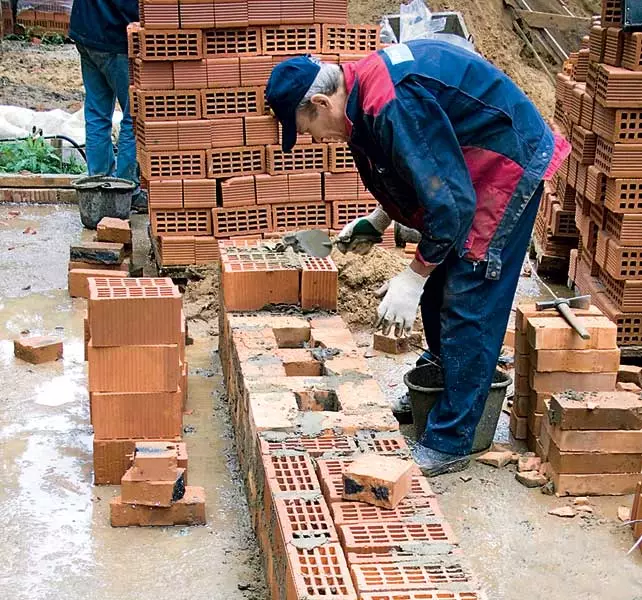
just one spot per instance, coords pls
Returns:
(313, 242)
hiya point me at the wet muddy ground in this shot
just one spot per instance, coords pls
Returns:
(56, 538)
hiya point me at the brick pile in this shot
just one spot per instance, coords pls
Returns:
(109, 255)
(154, 490)
(304, 406)
(209, 151)
(550, 357)
(135, 348)
(599, 105)
(7, 17)
(569, 406)
(40, 18)
(253, 276)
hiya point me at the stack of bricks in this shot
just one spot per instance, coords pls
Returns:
(6, 12)
(154, 490)
(592, 442)
(304, 406)
(253, 276)
(135, 347)
(209, 150)
(600, 106)
(551, 357)
(109, 256)
(40, 18)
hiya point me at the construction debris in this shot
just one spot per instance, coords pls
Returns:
(38, 349)
(564, 511)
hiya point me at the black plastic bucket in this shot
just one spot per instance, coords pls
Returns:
(425, 383)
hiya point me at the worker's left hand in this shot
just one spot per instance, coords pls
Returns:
(401, 297)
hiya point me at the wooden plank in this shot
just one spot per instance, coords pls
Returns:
(14, 180)
(543, 20)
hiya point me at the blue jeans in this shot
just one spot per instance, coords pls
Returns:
(105, 76)
(465, 317)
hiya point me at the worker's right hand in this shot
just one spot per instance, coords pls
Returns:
(361, 234)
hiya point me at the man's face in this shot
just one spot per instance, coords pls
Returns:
(327, 122)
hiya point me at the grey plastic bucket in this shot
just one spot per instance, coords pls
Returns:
(425, 383)
(100, 196)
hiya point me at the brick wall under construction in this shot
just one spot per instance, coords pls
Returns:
(596, 200)
(208, 148)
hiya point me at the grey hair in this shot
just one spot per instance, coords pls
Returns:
(327, 82)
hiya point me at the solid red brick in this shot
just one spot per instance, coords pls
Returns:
(150, 492)
(596, 410)
(585, 463)
(189, 510)
(616, 441)
(556, 334)
(38, 349)
(575, 361)
(595, 484)
(630, 374)
(379, 480)
(518, 426)
(114, 230)
(154, 461)
(392, 344)
(299, 362)
(559, 381)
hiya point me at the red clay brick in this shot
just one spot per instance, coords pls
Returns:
(271, 189)
(256, 70)
(314, 446)
(227, 132)
(305, 187)
(359, 512)
(231, 13)
(548, 383)
(261, 130)
(251, 287)
(304, 519)
(601, 441)
(241, 221)
(197, 14)
(231, 162)
(177, 250)
(170, 44)
(379, 480)
(152, 493)
(304, 158)
(199, 193)
(362, 537)
(238, 191)
(547, 334)
(114, 230)
(300, 215)
(79, 280)
(386, 443)
(190, 510)
(441, 594)
(319, 284)
(181, 164)
(38, 349)
(189, 74)
(127, 415)
(244, 41)
(291, 39)
(341, 186)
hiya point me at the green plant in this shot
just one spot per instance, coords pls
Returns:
(35, 155)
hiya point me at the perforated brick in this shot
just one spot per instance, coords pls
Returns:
(344, 212)
(331, 11)
(425, 595)
(625, 228)
(305, 518)
(231, 13)
(584, 145)
(588, 111)
(392, 444)
(341, 186)
(177, 44)
(241, 221)
(436, 573)
(159, 15)
(206, 250)
(629, 325)
(618, 88)
(314, 446)
(189, 74)
(234, 162)
(192, 221)
(165, 194)
(195, 135)
(613, 47)
(290, 473)
(626, 295)
(291, 39)
(597, 40)
(350, 38)
(369, 536)
(358, 512)
(563, 223)
(632, 51)
(223, 72)
(302, 159)
(177, 250)
(168, 105)
(227, 132)
(301, 215)
(624, 195)
(152, 75)
(199, 193)
(233, 42)
(133, 40)
(232, 102)
(319, 284)
(264, 12)
(238, 191)
(197, 14)
(620, 262)
(271, 189)
(611, 13)
(162, 135)
(618, 160)
(261, 130)
(255, 70)
(184, 164)
(575, 99)
(341, 160)
(622, 126)
(305, 187)
(320, 573)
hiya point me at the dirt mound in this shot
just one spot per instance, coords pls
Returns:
(359, 279)
(200, 301)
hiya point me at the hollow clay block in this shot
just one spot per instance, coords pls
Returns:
(379, 480)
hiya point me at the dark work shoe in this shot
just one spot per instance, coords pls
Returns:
(139, 202)
(402, 410)
(433, 463)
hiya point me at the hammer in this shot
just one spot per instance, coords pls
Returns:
(563, 307)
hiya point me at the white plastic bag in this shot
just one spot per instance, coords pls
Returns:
(417, 21)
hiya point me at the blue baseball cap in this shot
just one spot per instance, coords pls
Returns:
(288, 84)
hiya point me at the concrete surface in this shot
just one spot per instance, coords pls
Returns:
(56, 541)
(56, 538)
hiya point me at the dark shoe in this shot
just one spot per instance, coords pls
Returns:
(402, 410)
(139, 202)
(433, 463)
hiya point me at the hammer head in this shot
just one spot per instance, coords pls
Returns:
(581, 302)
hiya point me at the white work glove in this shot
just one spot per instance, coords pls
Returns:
(361, 234)
(399, 306)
